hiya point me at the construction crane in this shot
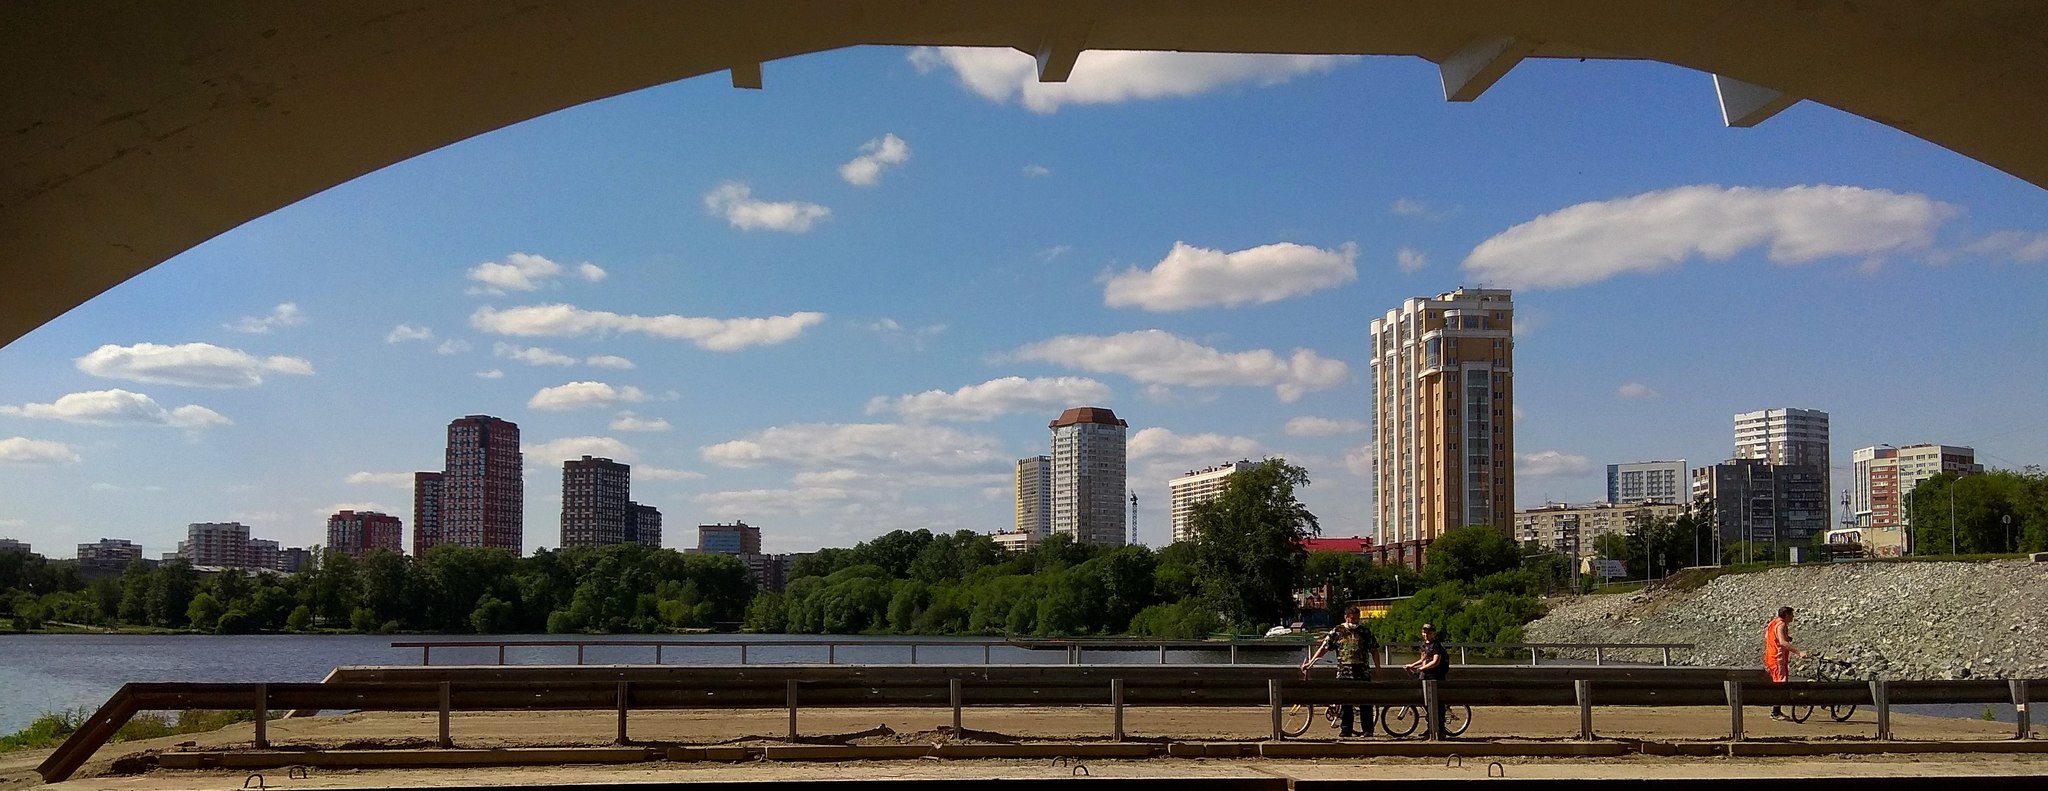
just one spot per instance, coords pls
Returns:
(1134, 520)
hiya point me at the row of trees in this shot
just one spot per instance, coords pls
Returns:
(1994, 512)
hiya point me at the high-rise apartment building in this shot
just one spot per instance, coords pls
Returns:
(1443, 415)
(483, 489)
(356, 533)
(738, 538)
(14, 546)
(109, 553)
(426, 511)
(218, 544)
(643, 524)
(264, 554)
(1792, 437)
(1648, 482)
(1088, 486)
(1034, 496)
(595, 496)
(1761, 502)
(1885, 475)
(1197, 486)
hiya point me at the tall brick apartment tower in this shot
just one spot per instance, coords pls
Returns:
(483, 490)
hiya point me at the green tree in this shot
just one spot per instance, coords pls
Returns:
(301, 619)
(1248, 542)
(1469, 553)
(204, 612)
(491, 616)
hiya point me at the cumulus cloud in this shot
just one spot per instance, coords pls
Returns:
(1410, 260)
(1656, 231)
(1307, 426)
(2018, 246)
(866, 170)
(452, 346)
(1110, 76)
(914, 337)
(644, 473)
(994, 398)
(408, 332)
(1636, 390)
(36, 452)
(800, 501)
(1551, 464)
(1410, 207)
(1160, 357)
(524, 272)
(118, 407)
(531, 355)
(836, 445)
(490, 374)
(188, 365)
(1197, 277)
(584, 395)
(612, 361)
(718, 335)
(1037, 171)
(735, 202)
(400, 480)
(1359, 460)
(627, 421)
(1161, 443)
(554, 452)
(284, 315)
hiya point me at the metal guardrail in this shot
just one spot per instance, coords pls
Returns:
(1075, 650)
(962, 686)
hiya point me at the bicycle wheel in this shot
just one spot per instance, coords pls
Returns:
(1456, 720)
(1295, 719)
(1399, 721)
(1799, 713)
(1842, 713)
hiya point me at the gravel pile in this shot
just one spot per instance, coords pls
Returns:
(1887, 620)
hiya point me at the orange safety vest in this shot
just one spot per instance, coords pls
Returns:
(1774, 651)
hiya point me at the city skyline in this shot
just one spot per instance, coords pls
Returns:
(846, 303)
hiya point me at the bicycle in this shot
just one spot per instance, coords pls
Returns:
(1397, 721)
(1825, 669)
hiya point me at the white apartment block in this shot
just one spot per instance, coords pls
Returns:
(1016, 541)
(1443, 413)
(219, 544)
(1088, 486)
(1791, 437)
(1572, 529)
(110, 552)
(1885, 477)
(1034, 496)
(1197, 486)
(1648, 481)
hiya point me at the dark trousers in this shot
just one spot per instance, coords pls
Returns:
(1346, 712)
(1436, 718)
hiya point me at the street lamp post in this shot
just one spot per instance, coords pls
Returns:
(1952, 514)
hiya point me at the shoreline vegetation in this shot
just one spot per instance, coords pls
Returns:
(52, 728)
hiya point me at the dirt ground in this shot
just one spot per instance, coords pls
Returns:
(1027, 725)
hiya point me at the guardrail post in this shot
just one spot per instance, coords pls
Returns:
(1162, 653)
(1583, 689)
(1432, 709)
(625, 693)
(426, 655)
(1116, 700)
(831, 653)
(1880, 698)
(1667, 656)
(953, 688)
(789, 695)
(743, 653)
(657, 653)
(1734, 692)
(2019, 708)
(985, 647)
(501, 653)
(1386, 654)
(1273, 703)
(913, 653)
(263, 716)
(1599, 656)
(1533, 660)
(1463, 658)
(446, 696)
(1233, 653)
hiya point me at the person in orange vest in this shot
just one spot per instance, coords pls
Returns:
(1778, 651)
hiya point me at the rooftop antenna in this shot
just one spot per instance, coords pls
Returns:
(1134, 519)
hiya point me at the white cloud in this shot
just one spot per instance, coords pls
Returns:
(1037, 171)
(873, 479)
(22, 450)
(719, 335)
(531, 355)
(836, 445)
(1636, 390)
(1410, 207)
(803, 501)
(1047, 255)
(1657, 231)
(612, 361)
(118, 407)
(524, 272)
(1162, 443)
(1306, 426)
(1160, 357)
(916, 338)
(2018, 246)
(408, 332)
(401, 480)
(1551, 464)
(188, 365)
(490, 374)
(452, 346)
(554, 452)
(1111, 76)
(627, 421)
(1359, 461)
(584, 395)
(994, 398)
(1410, 260)
(735, 202)
(865, 170)
(643, 473)
(1197, 277)
(284, 315)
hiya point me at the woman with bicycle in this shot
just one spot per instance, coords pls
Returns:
(1778, 651)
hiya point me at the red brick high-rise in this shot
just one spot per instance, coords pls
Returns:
(426, 511)
(596, 496)
(483, 489)
(358, 532)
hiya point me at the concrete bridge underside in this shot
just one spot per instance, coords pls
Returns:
(130, 132)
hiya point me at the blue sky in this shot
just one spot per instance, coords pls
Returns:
(846, 303)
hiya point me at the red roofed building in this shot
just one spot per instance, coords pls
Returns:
(1354, 545)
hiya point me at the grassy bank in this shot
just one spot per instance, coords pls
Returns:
(52, 728)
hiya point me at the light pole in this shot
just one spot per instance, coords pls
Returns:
(1952, 514)
(2010, 536)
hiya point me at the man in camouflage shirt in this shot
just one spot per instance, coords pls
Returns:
(1356, 648)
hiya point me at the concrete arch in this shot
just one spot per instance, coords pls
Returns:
(132, 132)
